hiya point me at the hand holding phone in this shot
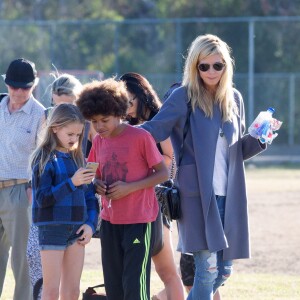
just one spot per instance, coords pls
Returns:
(93, 166)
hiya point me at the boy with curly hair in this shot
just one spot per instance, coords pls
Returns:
(129, 167)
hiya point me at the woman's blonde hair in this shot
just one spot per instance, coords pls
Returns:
(62, 115)
(202, 47)
(63, 84)
(66, 84)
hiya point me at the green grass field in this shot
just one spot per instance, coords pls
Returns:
(273, 272)
(242, 286)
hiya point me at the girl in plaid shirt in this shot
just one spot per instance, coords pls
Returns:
(64, 206)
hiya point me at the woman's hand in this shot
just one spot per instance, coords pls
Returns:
(86, 235)
(82, 176)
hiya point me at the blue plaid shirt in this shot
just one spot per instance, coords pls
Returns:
(56, 200)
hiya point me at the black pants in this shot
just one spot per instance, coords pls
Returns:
(126, 260)
(187, 269)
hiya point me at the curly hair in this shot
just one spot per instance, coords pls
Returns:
(108, 98)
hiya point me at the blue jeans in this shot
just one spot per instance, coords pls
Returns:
(211, 270)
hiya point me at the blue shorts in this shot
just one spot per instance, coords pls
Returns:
(57, 237)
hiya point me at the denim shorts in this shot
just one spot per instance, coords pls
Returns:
(57, 237)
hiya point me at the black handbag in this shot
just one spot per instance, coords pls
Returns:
(91, 294)
(168, 195)
(167, 192)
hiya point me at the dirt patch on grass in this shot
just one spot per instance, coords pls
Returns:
(274, 210)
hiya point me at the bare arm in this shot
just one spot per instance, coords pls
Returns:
(167, 151)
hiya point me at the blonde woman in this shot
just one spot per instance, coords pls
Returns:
(211, 178)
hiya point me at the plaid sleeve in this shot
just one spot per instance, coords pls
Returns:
(92, 206)
(46, 194)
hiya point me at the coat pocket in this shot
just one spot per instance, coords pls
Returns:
(188, 181)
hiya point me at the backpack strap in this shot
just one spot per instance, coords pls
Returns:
(171, 89)
(47, 111)
(85, 139)
(2, 95)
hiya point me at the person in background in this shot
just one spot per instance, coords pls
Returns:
(130, 165)
(21, 117)
(64, 89)
(211, 177)
(144, 105)
(64, 208)
(186, 262)
(187, 272)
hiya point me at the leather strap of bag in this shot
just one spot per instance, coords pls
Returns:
(185, 130)
(2, 95)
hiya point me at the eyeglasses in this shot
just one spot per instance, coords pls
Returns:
(131, 101)
(218, 66)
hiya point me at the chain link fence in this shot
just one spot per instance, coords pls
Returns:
(265, 49)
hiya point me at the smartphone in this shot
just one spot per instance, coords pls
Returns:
(92, 166)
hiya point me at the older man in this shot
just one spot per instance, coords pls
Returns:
(21, 116)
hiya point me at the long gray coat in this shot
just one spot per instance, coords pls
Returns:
(200, 227)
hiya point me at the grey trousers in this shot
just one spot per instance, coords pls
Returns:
(15, 219)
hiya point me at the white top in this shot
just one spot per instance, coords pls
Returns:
(18, 136)
(221, 166)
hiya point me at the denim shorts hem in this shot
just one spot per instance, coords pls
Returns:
(57, 247)
(57, 237)
(52, 247)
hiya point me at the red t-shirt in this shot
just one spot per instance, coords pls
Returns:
(127, 157)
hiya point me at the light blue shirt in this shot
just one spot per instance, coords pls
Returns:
(18, 137)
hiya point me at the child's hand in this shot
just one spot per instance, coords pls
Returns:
(86, 235)
(82, 176)
(101, 187)
(119, 189)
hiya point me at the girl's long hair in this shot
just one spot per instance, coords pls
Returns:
(202, 47)
(61, 116)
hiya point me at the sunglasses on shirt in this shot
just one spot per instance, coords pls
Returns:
(218, 66)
